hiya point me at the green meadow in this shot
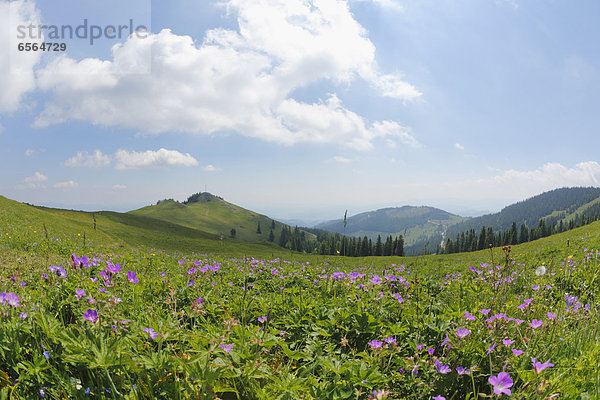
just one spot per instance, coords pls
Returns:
(112, 305)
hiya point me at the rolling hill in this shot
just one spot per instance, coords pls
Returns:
(118, 230)
(212, 214)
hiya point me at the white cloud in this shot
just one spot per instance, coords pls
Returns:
(233, 80)
(210, 168)
(16, 67)
(36, 178)
(33, 182)
(66, 185)
(390, 4)
(84, 159)
(511, 185)
(459, 146)
(33, 152)
(550, 175)
(119, 187)
(153, 159)
(340, 159)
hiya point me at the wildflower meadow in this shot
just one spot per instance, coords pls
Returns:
(102, 320)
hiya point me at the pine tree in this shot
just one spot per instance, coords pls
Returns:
(271, 236)
(232, 233)
(258, 229)
(378, 247)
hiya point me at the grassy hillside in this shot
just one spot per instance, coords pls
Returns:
(213, 215)
(186, 317)
(115, 230)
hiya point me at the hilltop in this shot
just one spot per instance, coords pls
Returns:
(209, 213)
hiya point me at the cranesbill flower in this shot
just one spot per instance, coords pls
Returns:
(536, 323)
(517, 352)
(12, 299)
(485, 311)
(390, 340)
(262, 319)
(431, 350)
(113, 268)
(226, 347)
(462, 332)
(23, 315)
(469, 316)
(444, 369)
(507, 342)
(439, 398)
(550, 315)
(490, 349)
(91, 315)
(132, 277)
(539, 367)
(80, 293)
(375, 344)
(501, 383)
(150, 332)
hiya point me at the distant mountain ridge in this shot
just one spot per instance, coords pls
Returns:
(426, 228)
(420, 226)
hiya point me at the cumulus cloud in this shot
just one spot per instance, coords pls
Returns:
(234, 80)
(66, 185)
(153, 159)
(210, 168)
(459, 146)
(123, 159)
(16, 67)
(550, 175)
(119, 187)
(84, 159)
(33, 182)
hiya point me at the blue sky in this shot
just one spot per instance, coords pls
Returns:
(302, 109)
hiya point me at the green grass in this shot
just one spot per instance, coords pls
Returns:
(298, 325)
(217, 217)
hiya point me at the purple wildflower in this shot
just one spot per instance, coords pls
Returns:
(390, 340)
(462, 332)
(80, 293)
(501, 383)
(91, 315)
(536, 323)
(517, 352)
(507, 342)
(490, 349)
(444, 369)
(375, 344)
(431, 350)
(550, 315)
(132, 277)
(469, 316)
(262, 319)
(226, 347)
(539, 367)
(113, 268)
(485, 311)
(150, 332)
(12, 299)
